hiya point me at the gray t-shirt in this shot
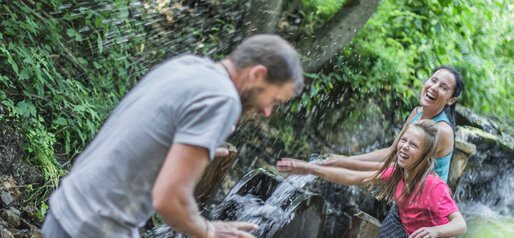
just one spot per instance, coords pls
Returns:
(188, 100)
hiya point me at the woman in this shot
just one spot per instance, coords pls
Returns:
(424, 201)
(437, 102)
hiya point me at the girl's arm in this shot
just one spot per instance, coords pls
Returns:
(456, 226)
(369, 161)
(332, 174)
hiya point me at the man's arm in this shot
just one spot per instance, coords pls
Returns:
(173, 195)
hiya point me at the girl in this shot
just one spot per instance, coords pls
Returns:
(437, 102)
(424, 201)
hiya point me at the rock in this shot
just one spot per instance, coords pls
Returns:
(349, 134)
(15, 211)
(30, 212)
(4, 233)
(467, 117)
(463, 151)
(17, 233)
(483, 140)
(6, 198)
(465, 147)
(212, 177)
(362, 226)
(11, 218)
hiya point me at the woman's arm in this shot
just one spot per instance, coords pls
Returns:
(456, 226)
(332, 174)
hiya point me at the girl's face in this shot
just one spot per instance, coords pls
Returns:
(410, 147)
(438, 90)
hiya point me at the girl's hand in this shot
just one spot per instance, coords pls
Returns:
(293, 166)
(425, 232)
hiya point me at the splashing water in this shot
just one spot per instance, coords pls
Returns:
(270, 212)
(486, 196)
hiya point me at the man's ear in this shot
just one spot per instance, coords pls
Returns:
(452, 101)
(258, 72)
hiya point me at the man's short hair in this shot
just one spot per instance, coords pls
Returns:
(279, 57)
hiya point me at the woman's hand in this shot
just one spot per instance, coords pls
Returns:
(294, 166)
(425, 232)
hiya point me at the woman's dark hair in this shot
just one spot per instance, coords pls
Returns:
(459, 87)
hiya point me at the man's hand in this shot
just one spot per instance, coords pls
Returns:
(231, 229)
(425, 232)
(293, 166)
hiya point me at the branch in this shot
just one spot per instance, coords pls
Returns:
(321, 46)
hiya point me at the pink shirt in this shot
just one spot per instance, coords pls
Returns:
(431, 208)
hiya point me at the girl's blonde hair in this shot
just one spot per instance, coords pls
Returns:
(385, 189)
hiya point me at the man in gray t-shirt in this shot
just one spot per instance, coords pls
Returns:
(159, 139)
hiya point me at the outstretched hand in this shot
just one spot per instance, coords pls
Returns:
(293, 166)
(231, 229)
(428, 232)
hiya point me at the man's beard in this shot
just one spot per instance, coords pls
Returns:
(249, 100)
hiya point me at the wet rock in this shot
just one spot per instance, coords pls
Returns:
(30, 212)
(359, 131)
(11, 218)
(17, 233)
(212, 178)
(484, 140)
(4, 233)
(36, 236)
(11, 159)
(467, 117)
(362, 226)
(6, 199)
(463, 151)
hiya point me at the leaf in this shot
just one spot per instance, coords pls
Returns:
(61, 121)
(24, 74)
(26, 109)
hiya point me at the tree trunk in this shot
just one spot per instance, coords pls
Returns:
(324, 44)
(263, 16)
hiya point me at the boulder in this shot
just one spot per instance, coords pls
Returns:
(463, 151)
(362, 226)
(11, 218)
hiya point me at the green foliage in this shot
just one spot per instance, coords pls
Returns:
(414, 37)
(315, 13)
(65, 66)
(323, 8)
(48, 90)
(405, 40)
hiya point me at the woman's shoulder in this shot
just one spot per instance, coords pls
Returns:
(445, 130)
(415, 111)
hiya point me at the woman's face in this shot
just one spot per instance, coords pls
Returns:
(410, 147)
(438, 90)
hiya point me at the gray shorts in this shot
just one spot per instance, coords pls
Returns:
(52, 228)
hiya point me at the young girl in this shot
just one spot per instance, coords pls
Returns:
(424, 201)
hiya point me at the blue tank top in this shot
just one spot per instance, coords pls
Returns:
(441, 165)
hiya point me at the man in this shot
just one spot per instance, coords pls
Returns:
(159, 139)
